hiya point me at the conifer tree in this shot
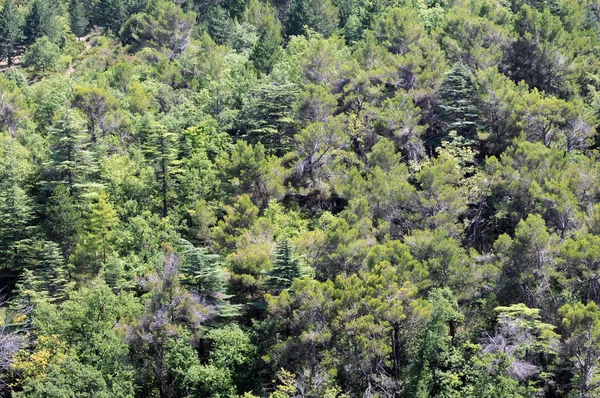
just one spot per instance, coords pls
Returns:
(42, 20)
(11, 31)
(202, 270)
(64, 220)
(72, 162)
(285, 267)
(78, 18)
(16, 216)
(33, 22)
(220, 25)
(457, 108)
(100, 225)
(161, 151)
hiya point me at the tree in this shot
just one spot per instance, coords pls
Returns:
(43, 19)
(17, 232)
(42, 55)
(71, 161)
(267, 117)
(285, 269)
(252, 172)
(11, 32)
(398, 29)
(78, 18)
(203, 273)
(110, 14)
(99, 225)
(163, 25)
(267, 49)
(161, 151)
(457, 107)
(220, 25)
(529, 345)
(171, 312)
(582, 344)
(432, 371)
(64, 220)
(537, 56)
(319, 16)
(96, 103)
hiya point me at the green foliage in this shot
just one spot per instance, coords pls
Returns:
(244, 198)
(78, 18)
(41, 56)
(11, 33)
(457, 107)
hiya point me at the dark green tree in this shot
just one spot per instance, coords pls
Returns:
(219, 24)
(42, 20)
(161, 152)
(78, 18)
(457, 108)
(11, 31)
(202, 271)
(320, 16)
(64, 220)
(285, 269)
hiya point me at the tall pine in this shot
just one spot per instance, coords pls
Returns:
(285, 269)
(160, 148)
(457, 108)
(11, 31)
(78, 18)
(72, 162)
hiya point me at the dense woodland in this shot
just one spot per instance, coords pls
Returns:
(301, 198)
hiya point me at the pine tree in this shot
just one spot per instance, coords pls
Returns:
(42, 20)
(203, 273)
(220, 25)
(457, 107)
(16, 216)
(318, 15)
(285, 267)
(78, 18)
(33, 22)
(45, 280)
(100, 225)
(161, 150)
(72, 163)
(64, 220)
(202, 270)
(110, 14)
(266, 51)
(11, 31)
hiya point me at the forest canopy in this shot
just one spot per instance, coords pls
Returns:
(299, 198)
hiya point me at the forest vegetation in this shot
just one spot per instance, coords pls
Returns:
(300, 198)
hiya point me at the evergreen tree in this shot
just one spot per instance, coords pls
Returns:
(161, 152)
(267, 117)
(110, 14)
(318, 15)
(33, 21)
(64, 220)
(72, 163)
(285, 267)
(202, 271)
(97, 244)
(267, 49)
(457, 108)
(78, 18)
(42, 19)
(11, 31)
(16, 216)
(220, 25)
